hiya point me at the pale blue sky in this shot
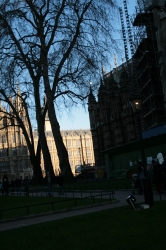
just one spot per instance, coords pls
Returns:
(79, 118)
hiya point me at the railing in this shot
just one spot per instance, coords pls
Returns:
(41, 191)
(52, 203)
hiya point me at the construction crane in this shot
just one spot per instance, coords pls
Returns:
(128, 28)
(124, 35)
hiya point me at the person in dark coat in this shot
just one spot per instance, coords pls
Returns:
(157, 176)
(49, 184)
(2, 188)
(6, 186)
(12, 186)
(141, 176)
(26, 186)
(60, 181)
(162, 164)
(18, 185)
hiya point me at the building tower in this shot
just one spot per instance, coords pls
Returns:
(148, 79)
(94, 123)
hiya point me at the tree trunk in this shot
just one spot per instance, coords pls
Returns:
(38, 177)
(41, 130)
(46, 154)
(61, 149)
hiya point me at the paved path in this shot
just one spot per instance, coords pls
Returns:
(121, 196)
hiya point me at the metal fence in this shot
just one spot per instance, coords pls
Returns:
(52, 204)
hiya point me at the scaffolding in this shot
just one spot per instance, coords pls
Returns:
(146, 67)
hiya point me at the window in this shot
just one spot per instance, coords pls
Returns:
(13, 138)
(14, 150)
(4, 166)
(3, 139)
(71, 163)
(70, 153)
(49, 145)
(88, 153)
(78, 152)
(69, 143)
(87, 142)
(3, 152)
(77, 142)
(24, 150)
(4, 121)
(23, 138)
(18, 137)
(12, 121)
(26, 163)
(16, 165)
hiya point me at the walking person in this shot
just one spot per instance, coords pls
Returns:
(60, 183)
(18, 185)
(141, 176)
(49, 184)
(157, 177)
(162, 167)
(12, 186)
(6, 186)
(2, 188)
(26, 186)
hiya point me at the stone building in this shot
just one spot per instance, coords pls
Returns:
(78, 144)
(112, 121)
(111, 117)
(14, 154)
(158, 9)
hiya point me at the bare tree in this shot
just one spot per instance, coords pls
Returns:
(59, 45)
(16, 114)
(21, 110)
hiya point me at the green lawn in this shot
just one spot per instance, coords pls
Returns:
(114, 229)
(92, 184)
(32, 205)
(112, 184)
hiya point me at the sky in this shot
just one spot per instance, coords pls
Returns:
(79, 117)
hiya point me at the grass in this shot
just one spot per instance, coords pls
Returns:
(92, 184)
(112, 184)
(49, 204)
(104, 185)
(115, 229)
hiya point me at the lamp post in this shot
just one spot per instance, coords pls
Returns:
(136, 103)
(80, 156)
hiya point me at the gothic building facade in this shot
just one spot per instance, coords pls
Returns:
(112, 121)
(111, 117)
(79, 146)
(14, 154)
